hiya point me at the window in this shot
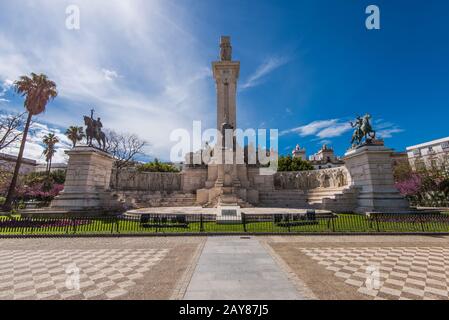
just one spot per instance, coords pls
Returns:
(445, 145)
(433, 163)
(420, 165)
(416, 152)
(430, 150)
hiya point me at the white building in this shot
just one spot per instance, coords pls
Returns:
(299, 152)
(8, 163)
(325, 158)
(429, 154)
(42, 167)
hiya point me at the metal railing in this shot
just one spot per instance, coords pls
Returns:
(171, 224)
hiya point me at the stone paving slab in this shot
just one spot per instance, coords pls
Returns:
(368, 267)
(115, 268)
(232, 268)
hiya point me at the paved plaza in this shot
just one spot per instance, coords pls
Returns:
(232, 268)
(107, 268)
(240, 268)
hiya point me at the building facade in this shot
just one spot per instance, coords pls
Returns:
(432, 154)
(42, 167)
(299, 152)
(8, 163)
(325, 158)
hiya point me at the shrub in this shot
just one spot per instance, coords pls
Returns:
(57, 177)
(39, 192)
(157, 166)
(410, 186)
(427, 187)
(287, 163)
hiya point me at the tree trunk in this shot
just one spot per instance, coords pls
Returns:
(12, 187)
(49, 167)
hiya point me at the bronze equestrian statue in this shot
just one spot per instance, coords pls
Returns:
(93, 131)
(363, 130)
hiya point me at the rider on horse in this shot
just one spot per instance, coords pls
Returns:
(363, 129)
(93, 130)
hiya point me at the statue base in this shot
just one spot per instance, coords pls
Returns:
(86, 189)
(371, 170)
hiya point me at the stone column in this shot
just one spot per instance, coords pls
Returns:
(226, 74)
(371, 170)
(87, 181)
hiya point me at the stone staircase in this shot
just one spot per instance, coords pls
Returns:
(157, 199)
(283, 199)
(240, 202)
(338, 200)
(316, 196)
(334, 199)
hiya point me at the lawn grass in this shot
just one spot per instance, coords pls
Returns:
(344, 223)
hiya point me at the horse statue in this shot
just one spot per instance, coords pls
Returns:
(363, 130)
(93, 131)
(367, 129)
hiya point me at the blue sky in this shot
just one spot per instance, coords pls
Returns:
(307, 67)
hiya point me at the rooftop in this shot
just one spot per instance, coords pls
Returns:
(425, 144)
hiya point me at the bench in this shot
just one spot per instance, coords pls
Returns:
(292, 220)
(156, 221)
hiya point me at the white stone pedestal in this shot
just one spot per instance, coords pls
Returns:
(87, 182)
(371, 170)
(229, 214)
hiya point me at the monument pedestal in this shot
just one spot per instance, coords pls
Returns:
(228, 214)
(371, 170)
(87, 182)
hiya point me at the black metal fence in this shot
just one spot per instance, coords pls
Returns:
(171, 224)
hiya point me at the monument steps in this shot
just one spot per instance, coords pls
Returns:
(345, 201)
(333, 198)
(283, 198)
(241, 203)
(319, 194)
(140, 199)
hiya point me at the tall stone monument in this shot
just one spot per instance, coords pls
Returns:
(227, 182)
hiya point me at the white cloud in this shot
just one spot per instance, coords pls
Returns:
(4, 88)
(388, 133)
(109, 74)
(312, 128)
(264, 69)
(334, 130)
(157, 77)
(34, 147)
(325, 129)
(385, 129)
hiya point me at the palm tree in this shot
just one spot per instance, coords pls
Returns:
(75, 134)
(38, 90)
(50, 140)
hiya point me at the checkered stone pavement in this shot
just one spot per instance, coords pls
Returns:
(53, 274)
(389, 272)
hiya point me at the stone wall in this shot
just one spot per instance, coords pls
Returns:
(258, 181)
(193, 178)
(146, 181)
(305, 180)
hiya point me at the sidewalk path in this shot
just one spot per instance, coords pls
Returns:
(239, 268)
